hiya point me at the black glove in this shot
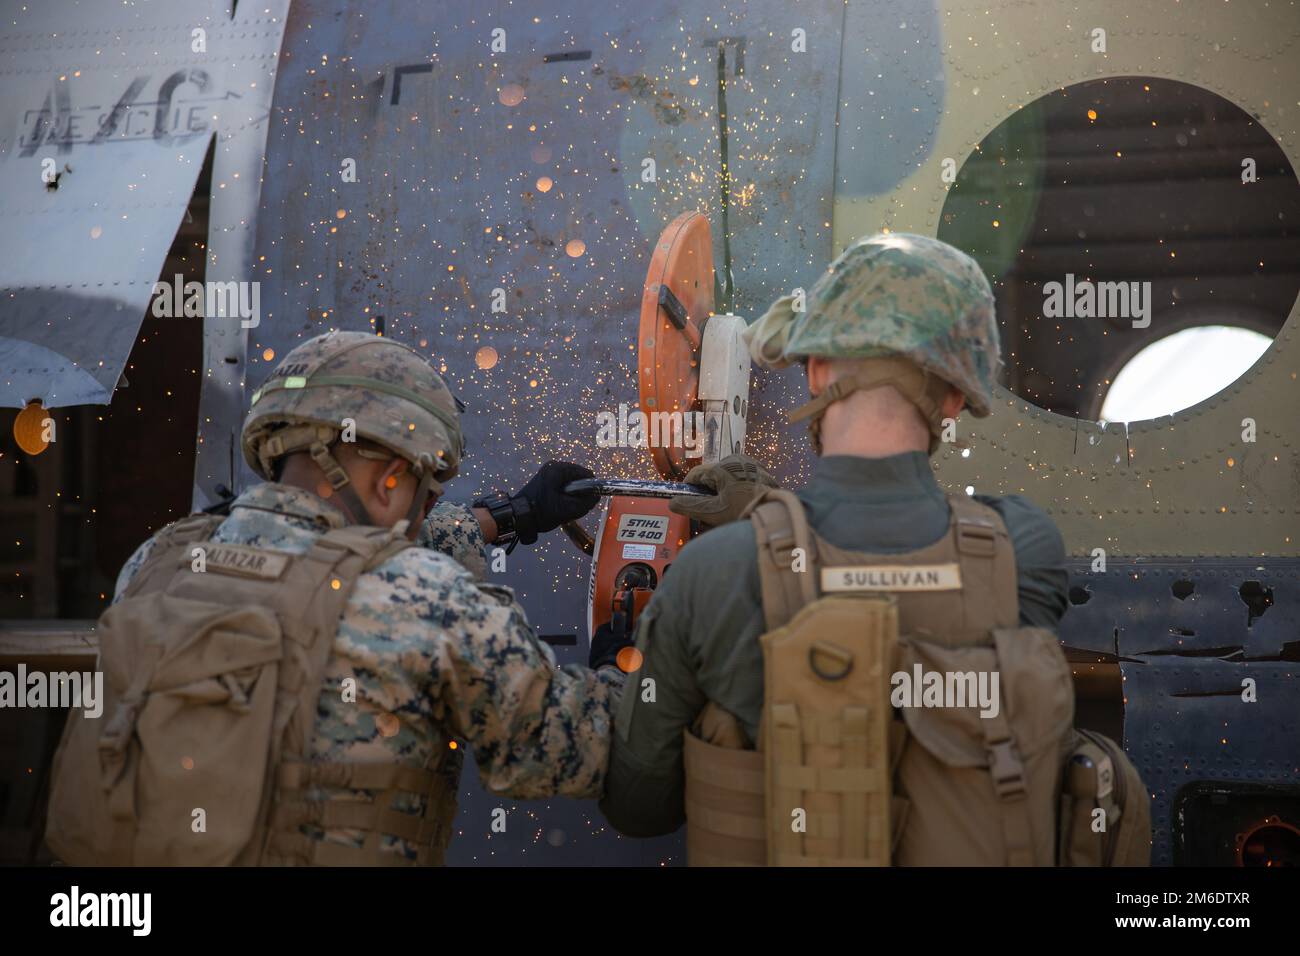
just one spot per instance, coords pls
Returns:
(546, 504)
(605, 645)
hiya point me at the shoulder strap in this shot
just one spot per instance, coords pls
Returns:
(976, 525)
(322, 581)
(780, 527)
(195, 527)
(988, 561)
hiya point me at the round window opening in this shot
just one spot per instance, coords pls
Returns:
(1180, 370)
(1140, 236)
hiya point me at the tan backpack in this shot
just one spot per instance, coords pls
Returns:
(212, 680)
(846, 775)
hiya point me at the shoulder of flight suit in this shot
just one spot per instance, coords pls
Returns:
(711, 593)
(1036, 538)
(1043, 581)
(699, 631)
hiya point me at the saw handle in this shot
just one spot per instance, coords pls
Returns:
(606, 487)
(679, 317)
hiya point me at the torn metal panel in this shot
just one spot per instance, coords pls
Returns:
(100, 154)
(1186, 607)
(78, 263)
(1187, 639)
(1186, 723)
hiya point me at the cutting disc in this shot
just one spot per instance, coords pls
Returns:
(677, 301)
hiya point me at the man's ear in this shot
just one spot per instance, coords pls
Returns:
(953, 403)
(819, 374)
(386, 479)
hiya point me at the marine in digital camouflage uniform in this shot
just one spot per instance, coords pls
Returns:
(437, 654)
(888, 296)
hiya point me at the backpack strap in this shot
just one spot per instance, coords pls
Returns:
(990, 600)
(1012, 788)
(195, 527)
(780, 527)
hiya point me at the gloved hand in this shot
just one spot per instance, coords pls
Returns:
(738, 480)
(605, 645)
(547, 504)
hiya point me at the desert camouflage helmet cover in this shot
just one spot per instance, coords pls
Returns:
(894, 294)
(390, 391)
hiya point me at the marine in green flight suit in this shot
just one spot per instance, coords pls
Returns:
(899, 336)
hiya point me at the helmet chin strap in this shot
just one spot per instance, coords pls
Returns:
(414, 514)
(343, 487)
(922, 389)
(340, 482)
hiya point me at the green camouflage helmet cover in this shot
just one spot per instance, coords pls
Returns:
(894, 294)
(388, 389)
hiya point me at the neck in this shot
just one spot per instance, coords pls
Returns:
(871, 436)
(301, 472)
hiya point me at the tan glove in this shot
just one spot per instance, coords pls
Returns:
(738, 480)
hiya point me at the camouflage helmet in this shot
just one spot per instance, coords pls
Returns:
(391, 393)
(894, 295)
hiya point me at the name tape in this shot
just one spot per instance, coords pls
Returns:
(893, 577)
(249, 562)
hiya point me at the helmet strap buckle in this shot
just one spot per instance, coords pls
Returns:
(919, 386)
(414, 514)
(340, 482)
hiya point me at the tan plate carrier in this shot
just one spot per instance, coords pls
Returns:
(841, 777)
(211, 683)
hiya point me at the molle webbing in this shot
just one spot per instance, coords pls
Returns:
(726, 806)
(826, 734)
(429, 831)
